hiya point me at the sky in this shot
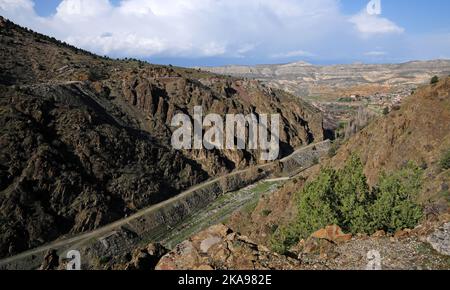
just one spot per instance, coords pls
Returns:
(219, 32)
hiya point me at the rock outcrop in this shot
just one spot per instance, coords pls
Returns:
(218, 248)
(51, 261)
(333, 234)
(145, 259)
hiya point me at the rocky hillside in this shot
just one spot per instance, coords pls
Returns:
(418, 131)
(85, 140)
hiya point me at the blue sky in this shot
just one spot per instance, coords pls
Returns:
(217, 32)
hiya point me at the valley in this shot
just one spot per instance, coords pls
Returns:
(87, 163)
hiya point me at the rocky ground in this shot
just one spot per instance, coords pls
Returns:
(219, 248)
(406, 250)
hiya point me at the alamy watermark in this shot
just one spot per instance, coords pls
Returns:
(374, 258)
(236, 132)
(73, 260)
(374, 7)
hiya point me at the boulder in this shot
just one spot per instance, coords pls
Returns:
(323, 247)
(379, 234)
(146, 259)
(221, 249)
(333, 234)
(51, 261)
(402, 234)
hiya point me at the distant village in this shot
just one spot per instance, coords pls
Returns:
(381, 100)
(338, 114)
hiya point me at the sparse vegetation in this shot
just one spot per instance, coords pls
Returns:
(273, 228)
(362, 118)
(445, 160)
(315, 160)
(434, 80)
(344, 198)
(104, 260)
(250, 207)
(333, 149)
(345, 100)
(395, 206)
(446, 194)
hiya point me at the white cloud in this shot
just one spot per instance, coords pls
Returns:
(376, 53)
(245, 48)
(369, 25)
(275, 29)
(213, 49)
(16, 5)
(195, 28)
(294, 53)
(21, 11)
(75, 10)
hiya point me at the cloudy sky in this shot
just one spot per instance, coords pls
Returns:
(217, 32)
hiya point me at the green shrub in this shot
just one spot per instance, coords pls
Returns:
(314, 211)
(340, 197)
(284, 238)
(354, 196)
(434, 80)
(344, 198)
(445, 160)
(395, 207)
(317, 204)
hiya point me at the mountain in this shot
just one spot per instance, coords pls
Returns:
(334, 81)
(85, 140)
